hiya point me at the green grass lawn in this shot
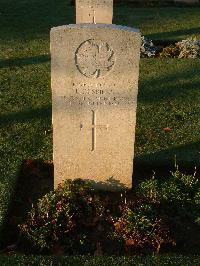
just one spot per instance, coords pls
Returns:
(25, 24)
(168, 97)
(100, 261)
(161, 23)
(168, 92)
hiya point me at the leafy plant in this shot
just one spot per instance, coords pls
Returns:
(171, 51)
(189, 48)
(149, 189)
(75, 219)
(178, 196)
(66, 218)
(141, 226)
(148, 49)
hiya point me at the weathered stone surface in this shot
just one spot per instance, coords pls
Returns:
(94, 11)
(94, 88)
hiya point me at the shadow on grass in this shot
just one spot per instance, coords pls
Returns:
(24, 61)
(33, 17)
(34, 181)
(25, 116)
(29, 188)
(163, 162)
(173, 34)
(169, 85)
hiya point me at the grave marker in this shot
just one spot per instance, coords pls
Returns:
(94, 11)
(94, 88)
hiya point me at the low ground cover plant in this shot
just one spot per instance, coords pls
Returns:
(179, 198)
(148, 49)
(75, 219)
(189, 48)
(65, 219)
(141, 227)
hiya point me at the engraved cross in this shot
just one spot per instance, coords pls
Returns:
(94, 128)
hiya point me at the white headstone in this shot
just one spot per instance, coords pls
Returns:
(95, 72)
(94, 11)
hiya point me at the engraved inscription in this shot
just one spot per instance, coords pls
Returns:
(94, 127)
(97, 100)
(94, 59)
(92, 3)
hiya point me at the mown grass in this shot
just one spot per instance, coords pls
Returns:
(161, 23)
(168, 97)
(100, 261)
(25, 24)
(25, 117)
(168, 94)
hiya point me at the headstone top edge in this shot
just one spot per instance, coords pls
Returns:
(94, 26)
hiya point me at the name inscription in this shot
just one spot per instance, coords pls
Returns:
(96, 95)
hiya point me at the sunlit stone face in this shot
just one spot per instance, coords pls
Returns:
(94, 88)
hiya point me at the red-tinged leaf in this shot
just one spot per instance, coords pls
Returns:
(167, 129)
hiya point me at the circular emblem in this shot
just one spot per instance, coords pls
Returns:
(94, 59)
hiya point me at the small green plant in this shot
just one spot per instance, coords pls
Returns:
(66, 218)
(141, 227)
(149, 189)
(178, 187)
(179, 199)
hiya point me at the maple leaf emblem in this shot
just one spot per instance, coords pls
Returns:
(94, 59)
